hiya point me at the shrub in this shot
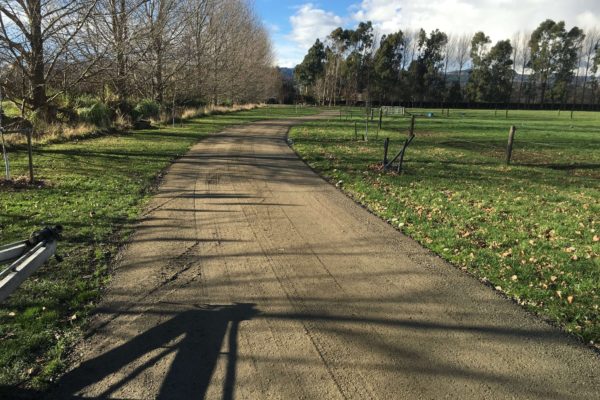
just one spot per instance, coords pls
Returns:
(10, 109)
(96, 113)
(146, 109)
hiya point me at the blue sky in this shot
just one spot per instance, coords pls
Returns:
(294, 25)
(277, 16)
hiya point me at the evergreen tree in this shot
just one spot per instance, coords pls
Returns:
(312, 67)
(491, 79)
(554, 57)
(428, 82)
(387, 64)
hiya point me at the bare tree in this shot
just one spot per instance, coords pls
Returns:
(522, 59)
(34, 36)
(116, 32)
(590, 48)
(462, 54)
(411, 44)
(516, 46)
(449, 54)
(165, 22)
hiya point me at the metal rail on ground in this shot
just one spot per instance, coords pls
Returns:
(26, 257)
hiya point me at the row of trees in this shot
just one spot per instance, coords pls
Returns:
(120, 51)
(552, 64)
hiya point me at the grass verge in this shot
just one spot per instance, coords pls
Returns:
(530, 229)
(95, 188)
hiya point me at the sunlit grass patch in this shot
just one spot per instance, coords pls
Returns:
(530, 229)
(96, 188)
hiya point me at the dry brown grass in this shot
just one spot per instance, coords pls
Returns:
(199, 112)
(122, 122)
(62, 132)
(52, 133)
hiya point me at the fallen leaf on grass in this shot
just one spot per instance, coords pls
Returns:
(570, 299)
(596, 238)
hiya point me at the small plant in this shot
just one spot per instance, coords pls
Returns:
(122, 121)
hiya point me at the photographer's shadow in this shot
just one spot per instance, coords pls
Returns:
(196, 354)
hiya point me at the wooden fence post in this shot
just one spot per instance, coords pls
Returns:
(407, 143)
(511, 138)
(386, 145)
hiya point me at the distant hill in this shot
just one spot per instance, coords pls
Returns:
(287, 72)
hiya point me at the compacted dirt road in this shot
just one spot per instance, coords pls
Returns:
(252, 278)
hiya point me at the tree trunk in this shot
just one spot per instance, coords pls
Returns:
(119, 31)
(158, 72)
(38, 80)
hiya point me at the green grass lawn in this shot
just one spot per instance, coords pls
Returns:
(96, 189)
(532, 229)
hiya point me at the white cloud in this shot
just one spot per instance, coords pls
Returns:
(288, 54)
(273, 28)
(307, 24)
(310, 23)
(497, 18)
(588, 19)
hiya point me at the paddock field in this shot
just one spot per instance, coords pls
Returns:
(531, 229)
